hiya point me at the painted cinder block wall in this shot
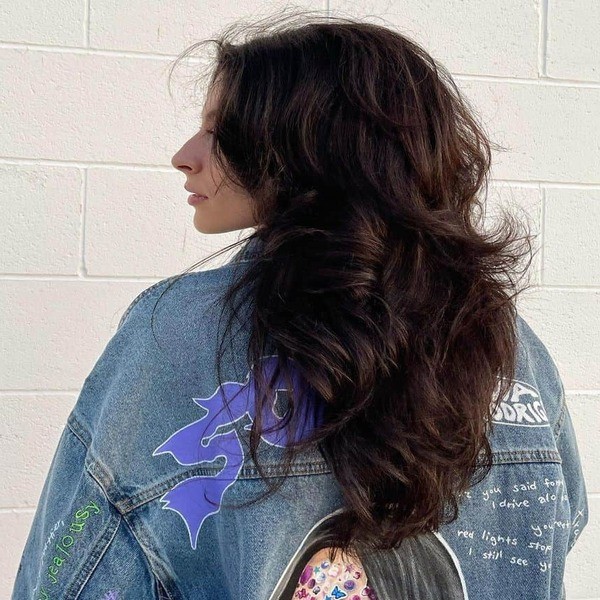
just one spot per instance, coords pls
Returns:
(93, 212)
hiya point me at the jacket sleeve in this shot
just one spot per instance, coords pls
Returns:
(79, 545)
(572, 472)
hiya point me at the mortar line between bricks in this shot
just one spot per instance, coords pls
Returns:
(483, 77)
(8, 160)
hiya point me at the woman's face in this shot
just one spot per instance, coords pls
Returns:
(229, 209)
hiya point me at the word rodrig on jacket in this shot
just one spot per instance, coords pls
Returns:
(134, 503)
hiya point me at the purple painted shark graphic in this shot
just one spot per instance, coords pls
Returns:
(200, 442)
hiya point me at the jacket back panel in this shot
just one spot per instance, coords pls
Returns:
(137, 500)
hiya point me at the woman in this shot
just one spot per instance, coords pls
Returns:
(375, 419)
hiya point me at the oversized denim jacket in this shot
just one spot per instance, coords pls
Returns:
(134, 503)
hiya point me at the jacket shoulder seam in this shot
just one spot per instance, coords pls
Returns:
(78, 430)
(557, 430)
(139, 297)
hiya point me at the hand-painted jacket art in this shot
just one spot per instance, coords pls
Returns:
(133, 507)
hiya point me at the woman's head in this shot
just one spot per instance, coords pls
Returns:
(363, 168)
(331, 117)
(226, 207)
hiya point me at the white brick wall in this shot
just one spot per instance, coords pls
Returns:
(93, 211)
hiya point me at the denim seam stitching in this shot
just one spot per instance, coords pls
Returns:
(139, 297)
(100, 547)
(561, 417)
(526, 456)
(124, 503)
(79, 431)
(149, 554)
(146, 556)
(128, 504)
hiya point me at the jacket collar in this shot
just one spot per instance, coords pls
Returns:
(250, 250)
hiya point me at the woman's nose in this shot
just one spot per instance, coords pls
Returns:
(181, 163)
(187, 158)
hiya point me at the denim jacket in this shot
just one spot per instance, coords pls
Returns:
(134, 505)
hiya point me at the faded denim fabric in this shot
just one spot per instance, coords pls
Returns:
(134, 503)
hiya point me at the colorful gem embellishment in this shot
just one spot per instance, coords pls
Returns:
(334, 577)
(337, 593)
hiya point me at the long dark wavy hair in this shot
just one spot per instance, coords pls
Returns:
(376, 280)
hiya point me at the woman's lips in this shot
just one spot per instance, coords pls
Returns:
(196, 198)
